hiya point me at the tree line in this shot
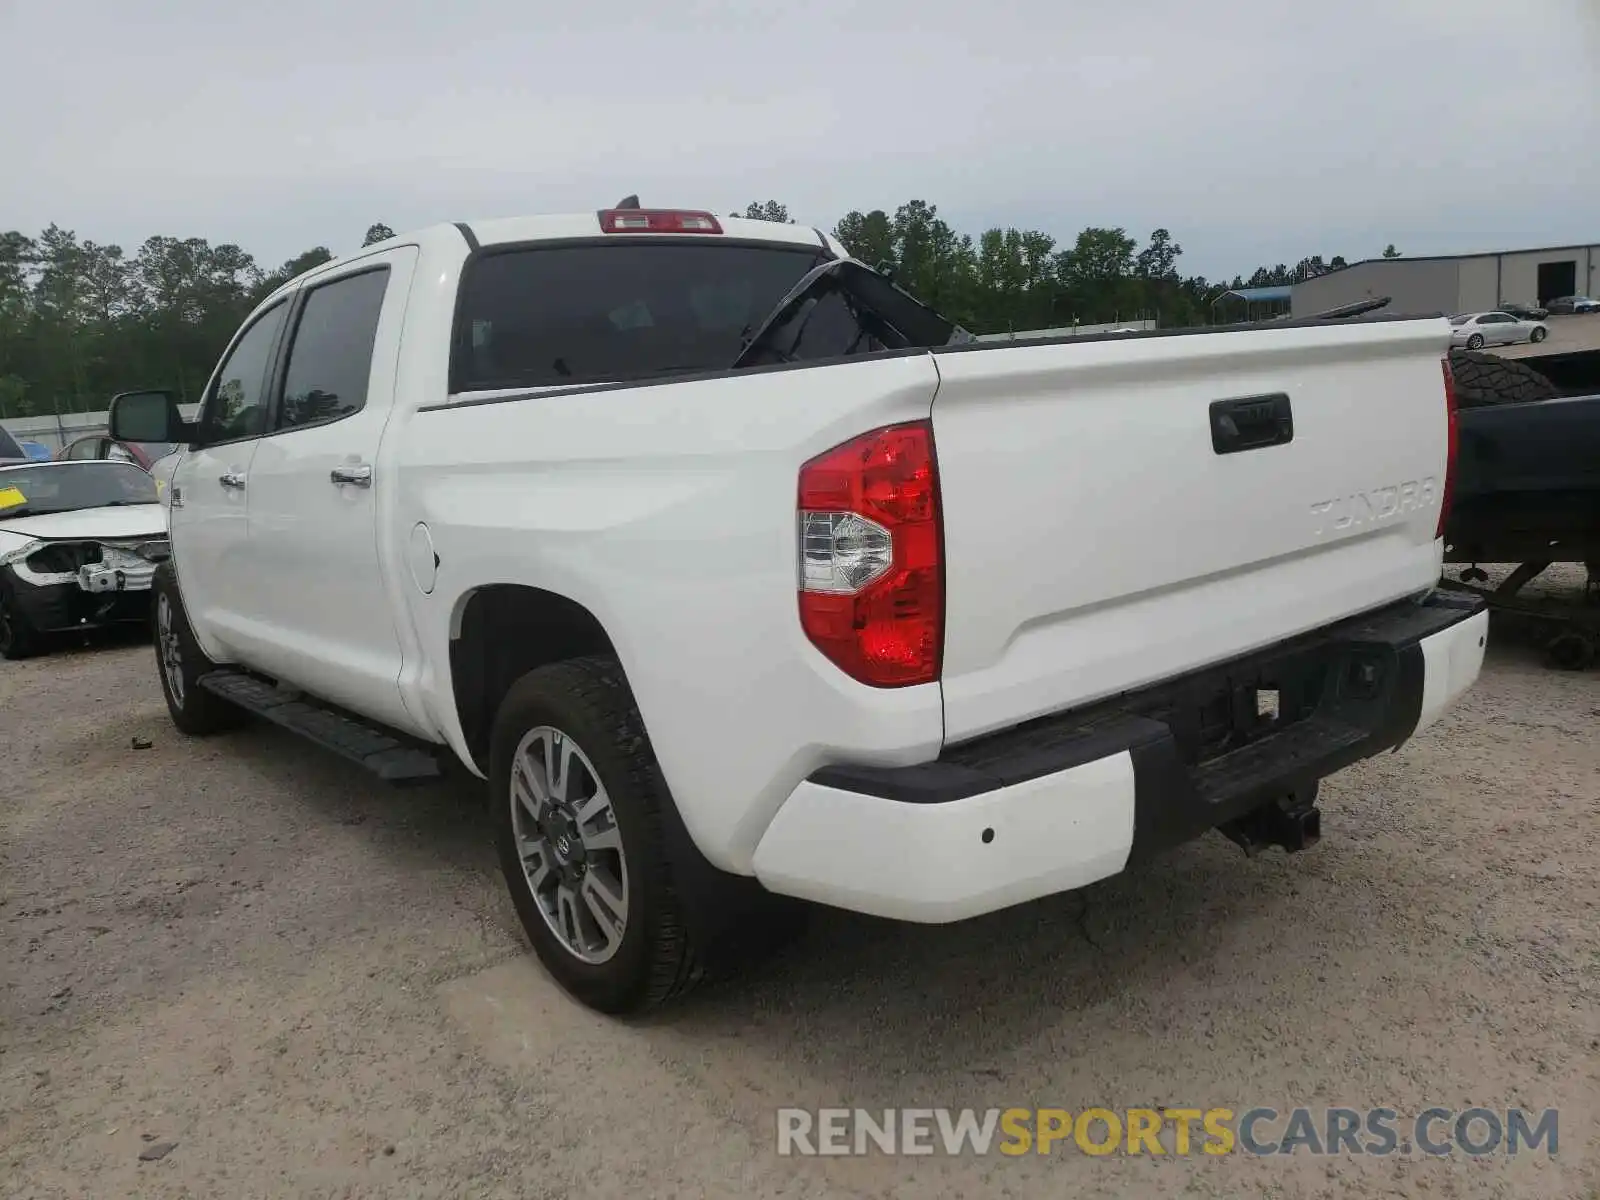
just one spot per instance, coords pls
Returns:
(81, 320)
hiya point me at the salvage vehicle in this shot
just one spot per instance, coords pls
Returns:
(744, 578)
(79, 544)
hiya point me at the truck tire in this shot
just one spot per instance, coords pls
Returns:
(1484, 379)
(180, 662)
(582, 846)
(18, 638)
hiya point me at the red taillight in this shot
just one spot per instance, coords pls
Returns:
(871, 569)
(1452, 438)
(657, 220)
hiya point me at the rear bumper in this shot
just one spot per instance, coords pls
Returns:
(1065, 800)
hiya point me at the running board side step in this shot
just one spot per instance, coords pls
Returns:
(390, 758)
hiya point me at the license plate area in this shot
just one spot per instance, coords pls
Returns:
(1220, 711)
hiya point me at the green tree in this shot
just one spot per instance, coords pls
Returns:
(13, 393)
(1309, 268)
(1159, 258)
(63, 314)
(17, 256)
(932, 261)
(868, 236)
(1097, 276)
(769, 210)
(377, 233)
(295, 267)
(1014, 284)
(1390, 252)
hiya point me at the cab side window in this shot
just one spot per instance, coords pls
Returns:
(330, 358)
(237, 407)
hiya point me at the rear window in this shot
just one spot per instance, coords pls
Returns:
(1461, 320)
(616, 311)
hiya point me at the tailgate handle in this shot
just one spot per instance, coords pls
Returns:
(1251, 423)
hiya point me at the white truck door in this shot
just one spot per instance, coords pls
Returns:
(209, 493)
(321, 616)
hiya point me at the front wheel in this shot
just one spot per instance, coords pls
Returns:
(577, 802)
(1538, 335)
(1475, 342)
(18, 638)
(180, 663)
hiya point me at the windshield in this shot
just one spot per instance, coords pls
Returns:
(1461, 320)
(68, 487)
(616, 310)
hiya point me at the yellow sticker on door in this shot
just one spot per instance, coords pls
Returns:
(11, 497)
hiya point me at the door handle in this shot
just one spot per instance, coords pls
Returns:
(231, 479)
(359, 474)
(1251, 423)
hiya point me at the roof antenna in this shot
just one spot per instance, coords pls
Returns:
(628, 202)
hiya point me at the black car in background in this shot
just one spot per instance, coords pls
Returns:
(1525, 312)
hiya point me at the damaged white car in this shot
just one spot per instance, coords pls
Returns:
(79, 543)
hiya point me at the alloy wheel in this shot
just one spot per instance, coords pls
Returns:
(569, 845)
(168, 647)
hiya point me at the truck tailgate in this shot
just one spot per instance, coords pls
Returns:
(1120, 511)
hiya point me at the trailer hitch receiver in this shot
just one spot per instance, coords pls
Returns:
(1293, 822)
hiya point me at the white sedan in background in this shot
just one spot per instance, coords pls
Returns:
(1477, 330)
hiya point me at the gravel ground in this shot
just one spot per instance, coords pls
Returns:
(1568, 332)
(315, 986)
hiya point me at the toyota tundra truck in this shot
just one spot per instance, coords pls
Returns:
(744, 579)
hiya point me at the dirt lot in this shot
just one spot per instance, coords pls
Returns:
(315, 986)
(1568, 332)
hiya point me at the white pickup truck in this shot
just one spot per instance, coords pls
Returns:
(742, 576)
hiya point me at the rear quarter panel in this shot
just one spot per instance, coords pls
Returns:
(668, 511)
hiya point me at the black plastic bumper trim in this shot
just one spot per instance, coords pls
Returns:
(1179, 789)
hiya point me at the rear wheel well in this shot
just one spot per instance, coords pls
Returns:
(505, 631)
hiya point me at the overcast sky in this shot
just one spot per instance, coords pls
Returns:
(1256, 132)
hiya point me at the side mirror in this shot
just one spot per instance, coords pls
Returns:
(148, 417)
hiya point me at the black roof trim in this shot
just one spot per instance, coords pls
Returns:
(466, 232)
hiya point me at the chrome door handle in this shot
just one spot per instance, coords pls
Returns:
(231, 479)
(358, 474)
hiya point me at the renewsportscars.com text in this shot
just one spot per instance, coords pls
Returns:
(1175, 1131)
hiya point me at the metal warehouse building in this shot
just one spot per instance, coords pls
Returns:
(1455, 283)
